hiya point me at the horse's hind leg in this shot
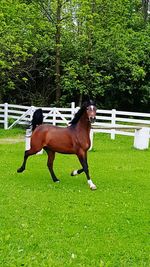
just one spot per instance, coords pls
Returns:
(27, 153)
(51, 157)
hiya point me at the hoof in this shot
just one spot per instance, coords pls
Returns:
(57, 181)
(20, 170)
(93, 187)
(74, 173)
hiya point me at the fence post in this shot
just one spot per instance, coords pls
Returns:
(54, 116)
(91, 138)
(72, 109)
(27, 139)
(32, 109)
(113, 122)
(141, 138)
(6, 116)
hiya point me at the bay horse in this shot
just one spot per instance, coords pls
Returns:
(73, 139)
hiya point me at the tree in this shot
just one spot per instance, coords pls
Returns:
(57, 51)
(24, 34)
(53, 11)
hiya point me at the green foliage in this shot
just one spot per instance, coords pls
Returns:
(104, 52)
(66, 224)
(24, 34)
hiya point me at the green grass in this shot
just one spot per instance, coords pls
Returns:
(66, 224)
(15, 132)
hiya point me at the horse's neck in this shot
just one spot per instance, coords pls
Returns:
(83, 126)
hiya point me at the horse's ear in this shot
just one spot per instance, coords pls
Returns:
(93, 102)
(89, 103)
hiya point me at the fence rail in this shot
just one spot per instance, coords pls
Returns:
(11, 115)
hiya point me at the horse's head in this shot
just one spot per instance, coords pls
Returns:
(87, 108)
(91, 112)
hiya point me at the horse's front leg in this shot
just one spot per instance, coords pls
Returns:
(76, 172)
(83, 160)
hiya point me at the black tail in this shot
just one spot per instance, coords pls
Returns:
(37, 118)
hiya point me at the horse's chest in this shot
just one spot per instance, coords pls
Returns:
(84, 142)
(86, 145)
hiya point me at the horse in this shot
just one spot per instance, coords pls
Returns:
(73, 139)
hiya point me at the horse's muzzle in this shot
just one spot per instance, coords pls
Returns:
(92, 119)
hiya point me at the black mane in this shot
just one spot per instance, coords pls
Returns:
(81, 111)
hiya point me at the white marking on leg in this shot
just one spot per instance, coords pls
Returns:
(92, 186)
(75, 172)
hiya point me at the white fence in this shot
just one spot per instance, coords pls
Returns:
(10, 115)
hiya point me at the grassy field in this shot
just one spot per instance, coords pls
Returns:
(66, 224)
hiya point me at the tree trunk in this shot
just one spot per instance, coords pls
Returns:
(58, 60)
(80, 100)
(145, 9)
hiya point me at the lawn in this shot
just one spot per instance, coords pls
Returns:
(66, 224)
